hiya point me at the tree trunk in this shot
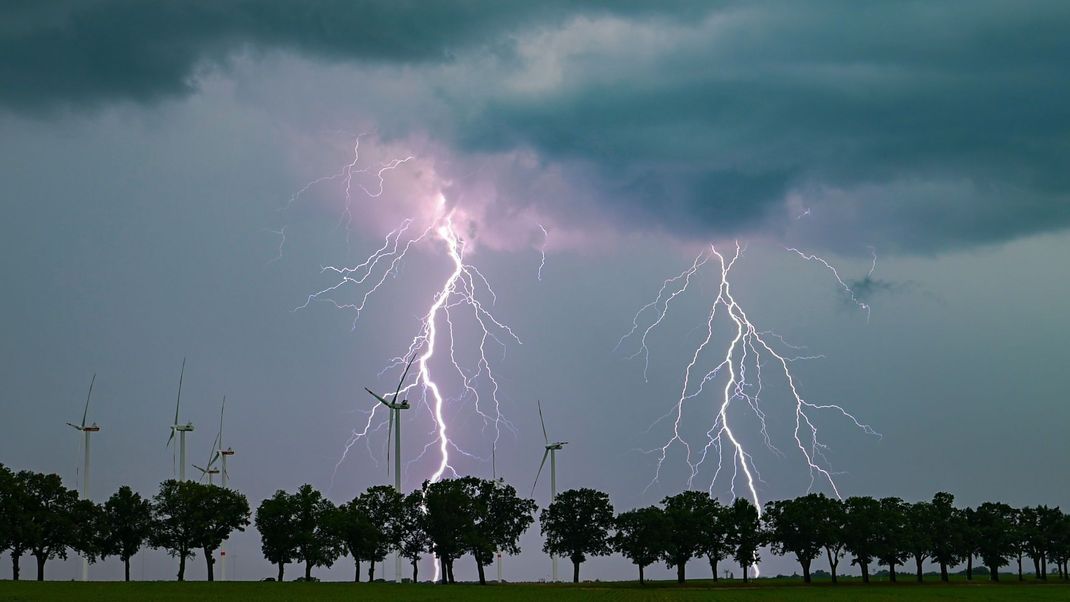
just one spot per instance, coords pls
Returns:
(1020, 578)
(969, 567)
(833, 561)
(356, 570)
(371, 571)
(744, 567)
(713, 567)
(993, 573)
(943, 571)
(15, 565)
(445, 573)
(680, 567)
(181, 566)
(805, 562)
(282, 567)
(415, 571)
(209, 560)
(918, 561)
(308, 570)
(126, 569)
(41, 566)
(482, 575)
(575, 572)
(865, 571)
(1036, 565)
(891, 572)
(449, 569)
(641, 580)
(1043, 566)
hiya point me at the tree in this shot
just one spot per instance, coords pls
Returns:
(969, 538)
(450, 517)
(51, 517)
(917, 534)
(946, 531)
(7, 508)
(316, 544)
(502, 518)
(412, 523)
(715, 536)
(15, 509)
(174, 525)
(381, 504)
(219, 512)
(996, 538)
(576, 525)
(794, 527)
(352, 526)
(892, 540)
(276, 520)
(687, 515)
(128, 523)
(641, 536)
(831, 516)
(744, 533)
(860, 531)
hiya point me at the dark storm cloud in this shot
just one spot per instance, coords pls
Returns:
(913, 126)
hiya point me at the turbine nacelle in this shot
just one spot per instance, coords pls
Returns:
(557, 445)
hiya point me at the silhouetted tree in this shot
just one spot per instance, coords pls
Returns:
(382, 505)
(641, 536)
(946, 531)
(969, 538)
(831, 517)
(917, 534)
(174, 525)
(892, 537)
(276, 520)
(316, 544)
(744, 533)
(51, 517)
(352, 526)
(687, 515)
(715, 544)
(794, 527)
(996, 537)
(413, 525)
(860, 531)
(15, 514)
(576, 525)
(219, 512)
(450, 518)
(128, 523)
(501, 519)
(1060, 550)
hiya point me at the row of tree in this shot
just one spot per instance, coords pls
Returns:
(453, 518)
(41, 517)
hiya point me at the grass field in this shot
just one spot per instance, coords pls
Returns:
(766, 589)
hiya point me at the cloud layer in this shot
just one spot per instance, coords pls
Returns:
(915, 127)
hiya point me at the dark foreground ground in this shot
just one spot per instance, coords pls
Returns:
(764, 589)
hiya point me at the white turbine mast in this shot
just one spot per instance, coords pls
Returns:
(182, 429)
(394, 429)
(222, 454)
(86, 429)
(550, 450)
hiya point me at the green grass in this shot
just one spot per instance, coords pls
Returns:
(764, 589)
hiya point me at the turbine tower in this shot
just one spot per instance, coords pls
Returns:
(499, 483)
(395, 422)
(182, 429)
(222, 454)
(551, 450)
(86, 429)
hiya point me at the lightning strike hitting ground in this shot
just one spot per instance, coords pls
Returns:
(740, 366)
(464, 289)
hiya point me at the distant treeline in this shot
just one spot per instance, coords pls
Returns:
(453, 518)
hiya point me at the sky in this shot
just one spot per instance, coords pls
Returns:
(175, 182)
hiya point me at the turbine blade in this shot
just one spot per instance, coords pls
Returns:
(543, 423)
(171, 438)
(403, 375)
(219, 437)
(86, 411)
(389, 435)
(381, 400)
(178, 401)
(543, 463)
(74, 426)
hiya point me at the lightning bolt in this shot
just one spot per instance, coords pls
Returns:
(740, 366)
(465, 289)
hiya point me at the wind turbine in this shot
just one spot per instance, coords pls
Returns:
(207, 472)
(182, 429)
(551, 450)
(395, 422)
(222, 454)
(499, 483)
(86, 429)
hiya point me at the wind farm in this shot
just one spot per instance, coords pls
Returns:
(788, 276)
